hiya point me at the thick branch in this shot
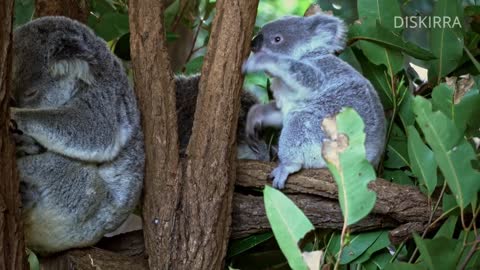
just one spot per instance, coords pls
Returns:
(315, 193)
(403, 208)
(12, 249)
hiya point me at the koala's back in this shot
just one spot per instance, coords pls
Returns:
(80, 199)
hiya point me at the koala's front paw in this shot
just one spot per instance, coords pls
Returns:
(26, 145)
(254, 121)
(258, 62)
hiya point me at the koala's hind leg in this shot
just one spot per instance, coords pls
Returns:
(300, 146)
(60, 197)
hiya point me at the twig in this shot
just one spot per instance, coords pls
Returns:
(430, 219)
(470, 253)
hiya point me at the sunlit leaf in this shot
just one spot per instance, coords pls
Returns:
(289, 225)
(345, 156)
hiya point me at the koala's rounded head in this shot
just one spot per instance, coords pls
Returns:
(296, 37)
(51, 57)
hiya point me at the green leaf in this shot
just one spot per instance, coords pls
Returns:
(349, 56)
(406, 111)
(422, 160)
(389, 39)
(23, 12)
(380, 243)
(398, 177)
(405, 266)
(384, 11)
(171, 12)
(377, 75)
(33, 261)
(289, 225)
(461, 113)
(397, 153)
(448, 228)
(452, 152)
(111, 26)
(194, 66)
(440, 253)
(346, 160)
(371, 11)
(446, 43)
(239, 246)
(357, 245)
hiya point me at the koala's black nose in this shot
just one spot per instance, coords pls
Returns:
(257, 43)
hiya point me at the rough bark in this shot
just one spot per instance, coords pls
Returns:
(211, 154)
(312, 190)
(156, 94)
(12, 249)
(75, 9)
(187, 205)
(93, 259)
(316, 194)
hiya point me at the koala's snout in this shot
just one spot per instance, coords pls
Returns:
(257, 43)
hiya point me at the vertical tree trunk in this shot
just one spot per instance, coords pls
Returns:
(187, 205)
(154, 86)
(211, 171)
(75, 9)
(12, 249)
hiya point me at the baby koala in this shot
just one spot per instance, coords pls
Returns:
(309, 83)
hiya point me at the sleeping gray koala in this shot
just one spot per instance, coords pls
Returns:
(309, 83)
(186, 101)
(81, 157)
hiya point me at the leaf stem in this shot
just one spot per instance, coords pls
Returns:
(342, 244)
(430, 219)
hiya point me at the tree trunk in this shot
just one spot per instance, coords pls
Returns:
(75, 9)
(12, 249)
(187, 206)
(156, 94)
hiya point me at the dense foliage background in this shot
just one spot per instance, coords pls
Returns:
(433, 120)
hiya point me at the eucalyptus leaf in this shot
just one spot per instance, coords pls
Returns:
(386, 38)
(422, 160)
(346, 160)
(239, 246)
(440, 253)
(380, 243)
(452, 152)
(289, 225)
(385, 11)
(446, 42)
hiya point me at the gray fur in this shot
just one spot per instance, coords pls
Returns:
(186, 98)
(310, 83)
(73, 99)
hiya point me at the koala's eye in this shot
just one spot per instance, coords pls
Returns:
(277, 39)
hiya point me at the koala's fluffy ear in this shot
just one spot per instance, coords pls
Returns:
(331, 28)
(71, 57)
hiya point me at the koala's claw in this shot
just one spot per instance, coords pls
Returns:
(279, 176)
